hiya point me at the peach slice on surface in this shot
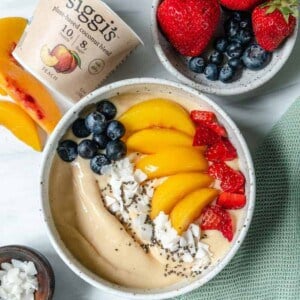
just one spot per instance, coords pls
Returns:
(20, 124)
(30, 94)
(157, 113)
(172, 161)
(190, 207)
(11, 30)
(174, 188)
(154, 140)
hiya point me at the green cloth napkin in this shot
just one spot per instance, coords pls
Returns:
(267, 266)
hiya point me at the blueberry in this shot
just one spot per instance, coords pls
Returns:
(221, 44)
(216, 57)
(197, 64)
(101, 139)
(231, 28)
(96, 122)
(88, 149)
(211, 72)
(115, 130)
(67, 150)
(235, 63)
(116, 150)
(79, 129)
(98, 162)
(226, 73)
(246, 24)
(234, 50)
(237, 16)
(242, 36)
(255, 57)
(107, 108)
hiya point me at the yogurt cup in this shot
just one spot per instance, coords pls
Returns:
(73, 45)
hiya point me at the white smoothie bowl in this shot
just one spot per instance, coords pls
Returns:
(177, 65)
(168, 90)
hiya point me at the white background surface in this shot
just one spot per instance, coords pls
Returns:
(20, 218)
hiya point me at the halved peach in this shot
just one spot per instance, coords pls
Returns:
(11, 30)
(30, 94)
(189, 208)
(174, 188)
(172, 161)
(154, 140)
(20, 124)
(157, 113)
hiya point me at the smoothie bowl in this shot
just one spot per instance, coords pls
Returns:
(147, 188)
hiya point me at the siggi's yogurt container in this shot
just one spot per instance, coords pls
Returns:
(73, 45)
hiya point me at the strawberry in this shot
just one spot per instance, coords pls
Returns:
(203, 116)
(231, 180)
(205, 136)
(240, 4)
(273, 22)
(189, 24)
(231, 201)
(217, 128)
(221, 151)
(217, 218)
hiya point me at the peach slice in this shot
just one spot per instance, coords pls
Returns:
(11, 30)
(172, 161)
(174, 188)
(20, 124)
(30, 94)
(157, 113)
(190, 208)
(47, 58)
(154, 140)
(2, 92)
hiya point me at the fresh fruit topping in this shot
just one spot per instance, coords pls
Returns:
(20, 124)
(67, 150)
(205, 135)
(174, 188)
(197, 64)
(226, 73)
(115, 130)
(217, 128)
(191, 207)
(217, 218)
(101, 139)
(231, 28)
(273, 22)
(231, 201)
(98, 162)
(221, 151)
(96, 122)
(2, 92)
(157, 113)
(240, 4)
(88, 149)
(216, 58)
(231, 180)
(211, 72)
(30, 94)
(234, 50)
(188, 159)
(235, 63)
(221, 44)
(79, 128)
(107, 108)
(203, 116)
(116, 150)
(255, 57)
(154, 140)
(189, 25)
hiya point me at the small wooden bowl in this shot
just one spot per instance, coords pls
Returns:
(45, 274)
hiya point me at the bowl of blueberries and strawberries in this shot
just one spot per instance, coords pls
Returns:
(224, 47)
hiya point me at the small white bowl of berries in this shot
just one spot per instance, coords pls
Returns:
(224, 47)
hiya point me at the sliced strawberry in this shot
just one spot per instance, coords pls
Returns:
(203, 116)
(231, 201)
(217, 218)
(221, 151)
(231, 180)
(205, 136)
(218, 129)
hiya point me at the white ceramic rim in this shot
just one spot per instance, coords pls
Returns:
(66, 255)
(215, 91)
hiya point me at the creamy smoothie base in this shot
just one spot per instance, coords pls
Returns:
(96, 237)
